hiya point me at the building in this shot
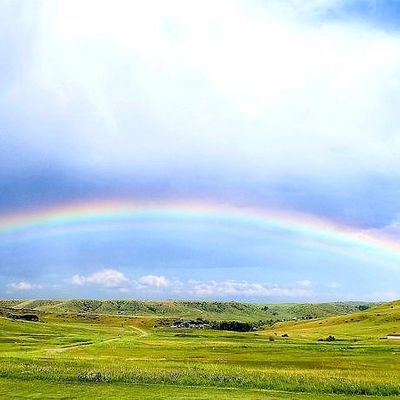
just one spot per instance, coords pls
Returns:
(393, 336)
(190, 325)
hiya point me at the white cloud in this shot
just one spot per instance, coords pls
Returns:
(78, 280)
(24, 285)
(105, 277)
(239, 289)
(154, 281)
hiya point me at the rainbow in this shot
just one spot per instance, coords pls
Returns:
(106, 212)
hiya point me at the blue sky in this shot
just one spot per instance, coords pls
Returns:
(289, 105)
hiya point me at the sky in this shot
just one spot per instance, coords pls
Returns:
(233, 150)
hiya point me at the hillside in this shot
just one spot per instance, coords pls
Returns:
(374, 323)
(190, 309)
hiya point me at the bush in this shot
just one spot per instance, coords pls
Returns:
(330, 338)
(92, 376)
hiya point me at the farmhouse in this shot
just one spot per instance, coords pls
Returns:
(190, 325)
(392, 336)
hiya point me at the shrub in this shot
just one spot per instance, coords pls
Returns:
(92, 376)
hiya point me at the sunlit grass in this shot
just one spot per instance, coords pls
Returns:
(111, 351)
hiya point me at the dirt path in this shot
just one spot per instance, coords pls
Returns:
(142, 333)
(72, 346)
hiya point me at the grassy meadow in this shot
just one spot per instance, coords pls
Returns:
(88, 355)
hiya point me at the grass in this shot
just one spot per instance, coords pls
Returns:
(44, 390)
(91, 356)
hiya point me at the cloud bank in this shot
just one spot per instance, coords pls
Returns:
(24, 286)
(159, 284)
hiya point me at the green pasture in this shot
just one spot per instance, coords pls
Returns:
(89, 356)
(17, 389)
(33, 389)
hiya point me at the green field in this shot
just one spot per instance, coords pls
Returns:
(69, 355)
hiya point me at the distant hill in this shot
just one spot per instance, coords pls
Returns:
(373, 323)
(218, 310)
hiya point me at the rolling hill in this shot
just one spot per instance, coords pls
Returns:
(373, 323)
(218, 310)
